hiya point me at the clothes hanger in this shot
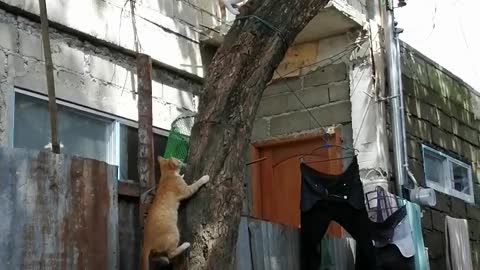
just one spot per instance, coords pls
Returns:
(355, 153)
(312, 153)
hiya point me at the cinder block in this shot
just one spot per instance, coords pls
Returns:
(339, 91)
(282, 86)
(473, 212)
(8, 36)
(473, 228)
(459, 208)
(275, 105)
(110, 99)
(408, 85)
(289, 123)
(427, 219)
(436, 79)
(414, 149)
(69, 58)
(428, 112)
(180, 98)
(28, 74)
(418, 128)
(468, 134)
(444, 121)
(187, 13)
(112, 73)
(441, 138)
(417, 169)
(333, 113)
(278, 104)
(475, 246)
(412, 105)
(435, 242)
(68, 83)
(476, 192)
(31, 45)
(443, 202)
(414, 67)
(438, 219)
(260, 129)
(310, 97)
(3, 64)
(328, 74)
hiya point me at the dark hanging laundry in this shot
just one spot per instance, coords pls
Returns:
(339, 198)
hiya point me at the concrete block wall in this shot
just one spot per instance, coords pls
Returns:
(168, 30)
(85, 73)
(442, 111)
(324, 91)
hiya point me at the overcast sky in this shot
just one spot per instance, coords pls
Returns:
(447, 31)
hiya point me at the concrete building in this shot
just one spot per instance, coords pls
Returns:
(331, 80)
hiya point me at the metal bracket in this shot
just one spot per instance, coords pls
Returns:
(331, 130)
(386, 98)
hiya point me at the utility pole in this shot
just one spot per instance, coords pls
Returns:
(52, 105)
(145, 133)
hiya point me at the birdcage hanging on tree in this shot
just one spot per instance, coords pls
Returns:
(178, 138)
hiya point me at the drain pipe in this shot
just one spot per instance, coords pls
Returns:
(417, 194)
(395, 112)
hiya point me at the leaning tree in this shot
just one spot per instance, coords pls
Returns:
(235, 80)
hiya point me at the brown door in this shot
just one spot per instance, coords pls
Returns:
(276, 180)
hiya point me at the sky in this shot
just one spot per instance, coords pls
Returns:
(446, 31)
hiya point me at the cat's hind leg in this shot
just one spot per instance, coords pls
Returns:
(180, 249)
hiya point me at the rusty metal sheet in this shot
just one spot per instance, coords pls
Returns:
(58, 212)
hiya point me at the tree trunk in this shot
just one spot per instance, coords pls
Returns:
(234, 84)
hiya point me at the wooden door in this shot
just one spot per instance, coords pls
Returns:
(276, 180)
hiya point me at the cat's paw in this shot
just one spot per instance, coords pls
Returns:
(204, 179)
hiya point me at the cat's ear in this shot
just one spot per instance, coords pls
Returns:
(172, 163)
(160, 159)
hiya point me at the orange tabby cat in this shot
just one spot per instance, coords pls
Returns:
(161, 235)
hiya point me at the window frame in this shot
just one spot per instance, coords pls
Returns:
(447, 175)
(114, 145)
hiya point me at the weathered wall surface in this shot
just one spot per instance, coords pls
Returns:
(168, 30)
(322, 85)
(443, 111)
(318, 74)
(58, 212)
(85, 73)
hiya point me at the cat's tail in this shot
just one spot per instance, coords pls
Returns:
(144, 259)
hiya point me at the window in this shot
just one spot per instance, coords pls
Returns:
(129, 151)
(81, 132)
(448, 175)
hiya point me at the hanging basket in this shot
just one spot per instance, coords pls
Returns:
(178, 139)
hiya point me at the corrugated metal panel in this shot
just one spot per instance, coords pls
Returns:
(263, 245)
(57, 212)
(267, 246)
(129, 233)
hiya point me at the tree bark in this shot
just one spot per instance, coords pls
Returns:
(234, 84)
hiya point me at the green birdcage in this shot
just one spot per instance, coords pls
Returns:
(178, 138)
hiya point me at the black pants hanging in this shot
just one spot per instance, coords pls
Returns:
(314, 224)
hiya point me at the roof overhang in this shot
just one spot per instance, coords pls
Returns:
(336, 18)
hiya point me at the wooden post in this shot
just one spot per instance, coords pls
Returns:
(145, 133)
(52, 105)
